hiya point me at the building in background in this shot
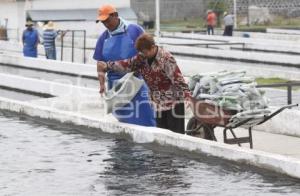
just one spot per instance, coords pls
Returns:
(66, 14)
(78, 19)
(80, 14)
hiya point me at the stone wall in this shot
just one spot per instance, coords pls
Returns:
(181, 9)
(289, 8)
(170, 9)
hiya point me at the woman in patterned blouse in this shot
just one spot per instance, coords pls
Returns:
(160, 71)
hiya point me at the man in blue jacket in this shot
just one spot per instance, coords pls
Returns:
(30, 39)
(117, 43)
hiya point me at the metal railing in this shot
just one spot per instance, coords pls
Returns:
(207, 45)
(288, 85)
(73, 44)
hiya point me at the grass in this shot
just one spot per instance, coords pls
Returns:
(278, 22)
(193, 24)
(198, 24)
(287, 22)
(262, 81)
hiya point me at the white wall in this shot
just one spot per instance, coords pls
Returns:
(9, 10)
(75, 4)
(92, 28)
(15, 14)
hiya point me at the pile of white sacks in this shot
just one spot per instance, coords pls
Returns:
(232, 91)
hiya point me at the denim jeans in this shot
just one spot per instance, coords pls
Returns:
(50, 53)
(210, 29)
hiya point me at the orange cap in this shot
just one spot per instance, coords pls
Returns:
(104, 12)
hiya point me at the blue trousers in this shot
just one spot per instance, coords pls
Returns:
(50, 53)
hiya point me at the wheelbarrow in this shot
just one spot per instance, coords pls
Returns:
(208, 116)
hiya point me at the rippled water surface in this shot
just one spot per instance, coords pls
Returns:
(39, 158)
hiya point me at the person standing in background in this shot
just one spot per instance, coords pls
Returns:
(211, 21)
(117, 43)
(49, 36)
(228, 23)
(30, 40)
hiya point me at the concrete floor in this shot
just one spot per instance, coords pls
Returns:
(264, 141)
(268, 142)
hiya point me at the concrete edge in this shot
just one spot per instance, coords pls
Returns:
(258, 37)
(240, 56)
(278, 163)
(43, 86)
(285, 123)
(49, 65)
(283, 31)
(275, 125)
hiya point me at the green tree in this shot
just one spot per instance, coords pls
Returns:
(219, 7)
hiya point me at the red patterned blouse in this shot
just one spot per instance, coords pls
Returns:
(163, 77)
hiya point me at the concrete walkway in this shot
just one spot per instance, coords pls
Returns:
(279, 52)
(270, 151)
(232, 55)
(268, 142)
(264, 141)
(188, 67)
(275, 148)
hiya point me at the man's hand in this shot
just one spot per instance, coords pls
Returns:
(101, 69)
(102, 66)
(102, 89)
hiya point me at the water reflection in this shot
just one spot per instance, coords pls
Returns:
(135, 170)
(148, 169)
(44, 158)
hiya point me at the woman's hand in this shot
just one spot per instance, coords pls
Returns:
(140, 57)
